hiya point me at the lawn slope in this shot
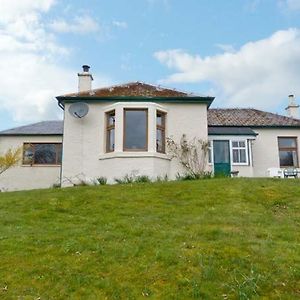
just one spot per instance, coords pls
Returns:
(209, 239)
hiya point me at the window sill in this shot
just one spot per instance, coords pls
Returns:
(127, 154)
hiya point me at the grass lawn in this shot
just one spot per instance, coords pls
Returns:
(209, 239)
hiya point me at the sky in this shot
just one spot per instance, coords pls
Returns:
(246, 53)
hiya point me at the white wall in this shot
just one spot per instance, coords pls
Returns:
(265, 148)
(27, 177)
(84, 141)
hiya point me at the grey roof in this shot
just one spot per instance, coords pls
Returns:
(213, 130)
(248, 117)
(41, 128)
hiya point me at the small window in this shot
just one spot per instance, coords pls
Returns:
(42, 154)
(110, 131)
(160, 132)
(135, 130)
(288, 152)
(239, 152)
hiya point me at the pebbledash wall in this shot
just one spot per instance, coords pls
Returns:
(84, 142)
(26, 177)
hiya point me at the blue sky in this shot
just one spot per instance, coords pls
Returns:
(246, 53)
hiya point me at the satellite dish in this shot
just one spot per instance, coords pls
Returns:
(79, 109)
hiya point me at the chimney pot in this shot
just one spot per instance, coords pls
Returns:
(85, 79)
(86, 68)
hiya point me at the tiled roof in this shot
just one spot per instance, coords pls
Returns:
(248, 117)
(41, 128)
(132, 89)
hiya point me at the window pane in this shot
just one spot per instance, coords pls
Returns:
(160, 140)
(111, 119)
(235, 144)
(111, 139)
(160, 119)
(288, 158)
(242, 144)
(27, 154)
(287, 142)
(242, 156)
(135, 129)
(221, 152)
(59, 153)
(235, 155)
(45, 154)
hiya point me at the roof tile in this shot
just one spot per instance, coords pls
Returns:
(248, 117)
(132, 89)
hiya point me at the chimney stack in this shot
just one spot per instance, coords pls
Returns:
(292, 109)
(85, 79)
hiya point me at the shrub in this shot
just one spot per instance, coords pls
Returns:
(142, 179)
(162, 178)
(189, 176)
(132, 178)
(128, 178)
(102, 180)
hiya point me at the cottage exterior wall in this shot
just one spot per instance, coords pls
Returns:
(23, 177)
(265, 148)
(84, 141)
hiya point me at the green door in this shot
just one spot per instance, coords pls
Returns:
(221, 158)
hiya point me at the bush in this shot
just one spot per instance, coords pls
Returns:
(162, 178)
(132, 178)
(128, 178)
(102, 180)
(142, 179)
(196, 176)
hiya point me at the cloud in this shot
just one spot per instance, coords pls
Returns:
(259, 74)
(80, 25)
(120, 24)
(31, 62)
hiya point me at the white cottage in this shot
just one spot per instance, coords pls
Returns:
(123, 129)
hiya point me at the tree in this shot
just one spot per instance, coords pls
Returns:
(9, 159)
(192, 155)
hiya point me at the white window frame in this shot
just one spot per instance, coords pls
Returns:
(246, 163)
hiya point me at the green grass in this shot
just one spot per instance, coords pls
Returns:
(207, 239)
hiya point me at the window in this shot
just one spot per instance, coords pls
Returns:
(42, 154)
(110, 131)
(288, 156)
(160, 132)
(239, 152)
(135, 130)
